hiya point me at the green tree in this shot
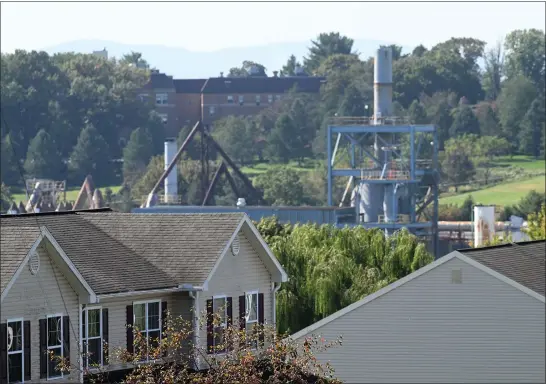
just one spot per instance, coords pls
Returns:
(236, 136)
(289, 69)
(442, 118)
(417, 113)
(457, 165)
(281, 142)
(247, 68)
(537, 224)
(493, 73)
(90, 156)
(353, 103)
(488, 118)
(43, 160)
(281, 186)
(464, 121)
(136, 155)
(134, 58)
(532, 131)
(326, 45)
(303, 129)
(10, 171)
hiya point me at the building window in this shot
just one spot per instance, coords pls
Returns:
(251, 317)
(92, 335)
(277, 97)
(269, 99)
(147, 320)
(230, 99)
(241, 99)
(161, 98)
(164, 117)
(143, 97)
(212, 110)
(16, 354)
(219, 308)
(258, 99)
(55, 345)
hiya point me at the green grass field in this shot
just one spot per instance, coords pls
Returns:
(259, 168)
(71, 194)
(502, 194)
(525, 162)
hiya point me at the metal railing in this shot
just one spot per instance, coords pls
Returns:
(400, 219)
(364, 120)
(46, 185)
(368, 174)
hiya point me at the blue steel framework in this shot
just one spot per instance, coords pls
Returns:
(410, 172)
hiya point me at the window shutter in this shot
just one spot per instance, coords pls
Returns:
(43, 349)
(26, 336)
(105, 346)
(261, 319)
(210, 327)
(229, 321)
(66, 339)
(163, 321)
(242, 313)
(3, 353)
(130, 337)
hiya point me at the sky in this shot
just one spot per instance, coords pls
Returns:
(214, 26)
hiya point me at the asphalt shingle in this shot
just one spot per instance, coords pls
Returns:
(522, 262)
(273, 85)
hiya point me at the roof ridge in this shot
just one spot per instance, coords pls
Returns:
(505, 245)
(55, 213)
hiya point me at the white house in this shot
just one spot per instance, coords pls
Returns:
(472, 316)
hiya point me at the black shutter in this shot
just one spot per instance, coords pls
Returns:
(210, 327)
(105, 345)
(3, 353)
(130, 337)
(229, 321)
(66, 339)
(26, 336)
(261, 319)
(242, 313)
(43, 349)
(163, 321)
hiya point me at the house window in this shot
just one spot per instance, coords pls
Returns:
(147, 320)
(55, 345)
(16, 355)
(258, 99)
(143, 97)
(230, 99)
(277, 97)
(269, 99)
(92, 336)
(251, 317)
(164, 117)
(219, 308)
(212, 110)
(161, 98)
(241, 99)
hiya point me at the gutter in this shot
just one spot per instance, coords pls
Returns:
(180, 288)
(195, 296)
(275, 288)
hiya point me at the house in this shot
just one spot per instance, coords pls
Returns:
(472, 316)
(72, 281)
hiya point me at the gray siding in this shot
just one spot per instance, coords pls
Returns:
(33, 297)
(236, 275)
(430, 330)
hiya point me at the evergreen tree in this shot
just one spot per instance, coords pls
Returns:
(281, 142)
(489, 122)
(464, 121)
(304, 130)
(417, 113)
(443, 120)
(43, 160)
(352, 103)
(136, 155)
(90, 156)
(10, 173)
(530, 136)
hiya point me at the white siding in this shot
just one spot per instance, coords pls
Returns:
(236, 275)
(432, 331)
(33, 297)
(178, 304)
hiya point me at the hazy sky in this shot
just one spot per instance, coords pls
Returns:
(213, 26)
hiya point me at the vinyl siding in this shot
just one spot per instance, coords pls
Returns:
(430, 330)
(236, 275)
(178, 304)
(33, 297)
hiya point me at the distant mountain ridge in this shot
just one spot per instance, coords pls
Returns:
(183, 63)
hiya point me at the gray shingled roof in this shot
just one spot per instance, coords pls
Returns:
(188, 85)
(117, 252)
(522, 262)
(262, 84)
(15, 243)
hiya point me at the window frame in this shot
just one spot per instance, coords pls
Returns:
(230, 99)
(241, 99)
(277, 97)
(222, 325)
(86, 338)
(143, 97)
(19, 352)
(164, 117)
(247, 315)
(160, 329)
(269, 99)
(49, 347)
(258, 99)
(162, 98)
(212, 110)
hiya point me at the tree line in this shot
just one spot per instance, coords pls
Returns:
(67, 115)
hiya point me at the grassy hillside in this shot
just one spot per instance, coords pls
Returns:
(502, 194)
(525, 162)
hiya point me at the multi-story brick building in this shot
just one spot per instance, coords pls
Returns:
(181, 102)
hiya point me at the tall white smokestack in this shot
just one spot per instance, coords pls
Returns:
(382, 83)
(171, 181)
(484, 224)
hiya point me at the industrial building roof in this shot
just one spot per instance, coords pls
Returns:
(522, 262)
(189, 85)
(273, 85)
(116, 252)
